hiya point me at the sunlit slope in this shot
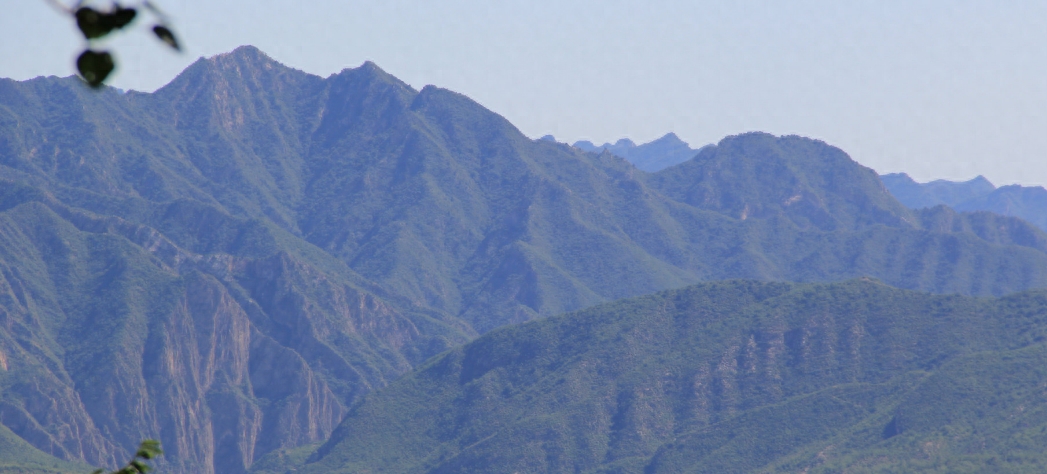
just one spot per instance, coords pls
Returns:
(726, 377)
(113, 334)
(155, 285)
(19, 457)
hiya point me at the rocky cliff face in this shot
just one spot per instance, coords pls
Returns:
(111, 334)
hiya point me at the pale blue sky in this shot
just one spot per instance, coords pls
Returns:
(936, 88)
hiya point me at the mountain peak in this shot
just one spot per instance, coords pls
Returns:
(981, 181)
(242, 65)
(900, 177)
(761, 175)
(370, 67)
(244, 52)
(370, 73)
(651, 157)
(917, 195)
(670, 138)
(246, 56)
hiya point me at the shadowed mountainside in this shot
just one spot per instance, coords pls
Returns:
(228, 264)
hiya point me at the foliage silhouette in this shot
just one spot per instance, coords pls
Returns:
(148, 450)
(95, 66)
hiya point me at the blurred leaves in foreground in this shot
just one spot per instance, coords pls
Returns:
(95, 65)
(149, 449)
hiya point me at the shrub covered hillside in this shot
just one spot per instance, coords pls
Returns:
(725, 377)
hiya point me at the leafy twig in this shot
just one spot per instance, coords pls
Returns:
(95, 65)
(148, 450)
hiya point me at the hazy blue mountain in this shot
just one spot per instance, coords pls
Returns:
(1025, 202)
(725, 377)
(978, 194)
(757, 175)
(230, 263)
(950, 193)
(655, 156)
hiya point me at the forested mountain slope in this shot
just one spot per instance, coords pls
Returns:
(154, 285)
(230, 262)
(113, 334)
(735, 376)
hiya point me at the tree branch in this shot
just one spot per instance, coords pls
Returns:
(60, 6)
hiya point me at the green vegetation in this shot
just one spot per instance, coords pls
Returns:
(725, 377)
(282, 461)
(18, 456)
(198, 346)
(147, 450)
(249, 251)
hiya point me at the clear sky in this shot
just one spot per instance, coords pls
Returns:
(936, 88)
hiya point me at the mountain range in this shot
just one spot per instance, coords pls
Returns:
(652, 157)
(232, 263)
(1026, 202)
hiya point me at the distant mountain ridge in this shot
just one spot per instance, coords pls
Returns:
(654, 156)
(233, 262)
(939, 192)
(978, 194)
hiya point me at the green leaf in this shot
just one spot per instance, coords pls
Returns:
(95, 67)
(91, 23)
(96, 24)
(166, 36)
(154, 10)
(121, 17)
